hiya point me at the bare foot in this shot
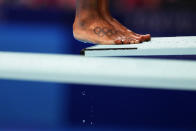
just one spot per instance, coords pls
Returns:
(98, 31)
(90, 25)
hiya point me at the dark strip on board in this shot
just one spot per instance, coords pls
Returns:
(105, 49)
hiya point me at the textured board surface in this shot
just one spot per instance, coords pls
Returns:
(157, 46)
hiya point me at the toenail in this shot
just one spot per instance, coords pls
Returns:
(132, 42)
(137, 42)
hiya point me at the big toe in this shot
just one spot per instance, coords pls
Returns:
(146, 37)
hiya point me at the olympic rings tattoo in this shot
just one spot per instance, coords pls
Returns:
(104, 31)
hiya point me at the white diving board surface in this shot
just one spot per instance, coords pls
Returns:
(160, 46)
(123, 72)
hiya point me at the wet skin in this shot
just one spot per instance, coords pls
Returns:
(94, 24)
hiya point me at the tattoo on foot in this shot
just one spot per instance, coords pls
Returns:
(104, 31)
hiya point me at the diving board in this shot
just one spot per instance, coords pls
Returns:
(123, 72)
(159, 46)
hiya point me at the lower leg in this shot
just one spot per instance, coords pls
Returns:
(86, 10)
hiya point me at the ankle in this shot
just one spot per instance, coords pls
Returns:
(80, 24)
(86, 20)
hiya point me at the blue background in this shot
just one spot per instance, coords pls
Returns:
(37, 105)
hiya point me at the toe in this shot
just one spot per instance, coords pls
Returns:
(118, 42)
(136, 42)
(126, 41)
(139, 38)
(149, 37)
(133, 41)
(146, 37)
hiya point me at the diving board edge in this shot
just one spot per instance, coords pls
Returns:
(121, 72)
